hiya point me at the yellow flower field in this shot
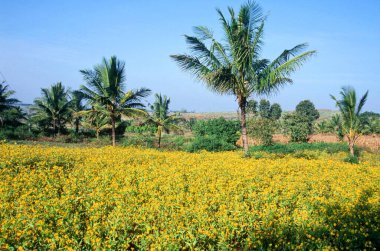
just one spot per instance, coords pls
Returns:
(119, 198)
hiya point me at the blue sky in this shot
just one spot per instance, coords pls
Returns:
(43, 42)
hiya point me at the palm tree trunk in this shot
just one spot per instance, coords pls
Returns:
(159, 137)
(113, 131)
(77, 126)
(242, 106)
(352, 150)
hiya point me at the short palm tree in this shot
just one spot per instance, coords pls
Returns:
(53, 107)
(6, 101)
(350, 113)
(105, 87)
(160, 117)
(96, 119)
(235, 67)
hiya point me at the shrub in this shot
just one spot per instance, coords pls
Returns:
(262, 129)
(225, 130)
(211, 144)
(298, 127)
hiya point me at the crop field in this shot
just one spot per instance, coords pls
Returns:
(127, 198)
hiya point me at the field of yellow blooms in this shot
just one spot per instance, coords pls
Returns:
(124, 198)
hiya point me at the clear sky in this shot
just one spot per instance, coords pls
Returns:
(46, 41)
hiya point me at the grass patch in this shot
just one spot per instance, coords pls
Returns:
(295, 148)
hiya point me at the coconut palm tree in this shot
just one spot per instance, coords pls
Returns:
(235, 66)
(160, 117)
(105, 86)
(350, 113)
(77, 107)
(96, 119)
(6, 101)
(53, 107)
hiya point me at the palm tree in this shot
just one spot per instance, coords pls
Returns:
(350, 112)
(235, 67)
(53, 107)
(160, 117)
(6, 101)
(77, 107)
(96, 119)
(105, 86)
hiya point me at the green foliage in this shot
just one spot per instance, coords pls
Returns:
(370, 122)
(161, 119)
(275, 111)
(53, 109)
(252, 107)
(350, 110)
(105, 89)
(16, 133)
(353, 159)
(291, 148)
(6, 99)
(225, 130)
(264, 109)
(210, 143)
(262, 129)
(141, 129)
(145, 141)
(298, 127)
(307, 109)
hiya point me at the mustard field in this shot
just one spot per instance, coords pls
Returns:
(124, 198)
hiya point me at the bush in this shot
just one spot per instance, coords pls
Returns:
(225, 130)
(16, 133)
(262, 129)
(298, 127)
(211, 144)
(352, 159)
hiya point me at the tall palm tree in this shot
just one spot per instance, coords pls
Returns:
(160, 117)
(350, 112)
(6, 101)
(53, 107)
(235, 66)
(105, 86)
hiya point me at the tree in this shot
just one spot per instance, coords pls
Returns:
(307, 109)
(105, 87)
(336, 126)
(6, 101)
(235, 66)
(252, 107)
(160, 117)
(297, 126)
(307, 113)
(53, 108)
(264, 108)
(275, 111)
(350, 113)
(95, 119)
(77, 107)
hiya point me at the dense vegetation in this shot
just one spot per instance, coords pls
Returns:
(115, 198)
